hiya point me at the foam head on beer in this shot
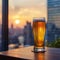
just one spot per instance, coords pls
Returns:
(39, 19)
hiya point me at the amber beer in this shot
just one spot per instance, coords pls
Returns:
(39, 28)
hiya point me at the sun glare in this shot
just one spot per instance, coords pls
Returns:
(17, 21)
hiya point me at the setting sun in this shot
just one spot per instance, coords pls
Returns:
(17, 21)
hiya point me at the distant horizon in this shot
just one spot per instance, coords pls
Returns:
(25, 10)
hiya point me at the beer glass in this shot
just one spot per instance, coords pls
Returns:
(39, 29)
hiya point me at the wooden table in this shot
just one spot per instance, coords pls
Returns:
(27, 54)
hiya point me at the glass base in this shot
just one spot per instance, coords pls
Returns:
(39, 49)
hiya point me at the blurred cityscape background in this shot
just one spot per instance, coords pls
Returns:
(21, 17)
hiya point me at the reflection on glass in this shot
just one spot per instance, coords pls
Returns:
(39, 56)
(39, 28)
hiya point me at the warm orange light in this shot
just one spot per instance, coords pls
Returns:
(17, 21)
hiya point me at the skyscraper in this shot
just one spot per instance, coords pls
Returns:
(53, 19)
(28, 35)
(12, 26)
(54, 12)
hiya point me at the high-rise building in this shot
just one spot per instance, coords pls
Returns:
(28, 35)
(11, 30)
(12, 26)
(53, 19)
(51, 29)
(54, 12)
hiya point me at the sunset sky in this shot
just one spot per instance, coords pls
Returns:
(24, 10)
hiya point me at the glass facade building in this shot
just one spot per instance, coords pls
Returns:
(53, 19)
(54, 12)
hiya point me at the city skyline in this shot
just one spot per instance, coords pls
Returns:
(24, 10)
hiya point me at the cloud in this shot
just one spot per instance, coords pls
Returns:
(14, 9)
(27, 3)
(25, 10)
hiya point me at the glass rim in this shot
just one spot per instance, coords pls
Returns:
(39, 19)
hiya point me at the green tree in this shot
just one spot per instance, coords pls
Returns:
(55, 43)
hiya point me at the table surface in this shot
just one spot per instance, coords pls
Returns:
(26, 53)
